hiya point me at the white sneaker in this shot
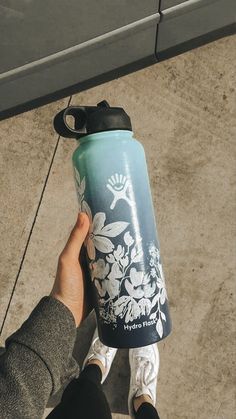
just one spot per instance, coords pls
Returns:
(144, 366)
(103, 353)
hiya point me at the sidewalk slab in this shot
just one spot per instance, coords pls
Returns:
(27, 143)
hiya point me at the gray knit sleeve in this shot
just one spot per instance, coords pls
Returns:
(37, 361)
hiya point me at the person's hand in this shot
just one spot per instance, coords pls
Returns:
(69, 286)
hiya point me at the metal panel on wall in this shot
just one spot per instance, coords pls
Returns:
(190, 20)
(52, 49)
(166, 4)
(49, 46)
(33, 29)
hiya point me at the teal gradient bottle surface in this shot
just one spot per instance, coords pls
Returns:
(122, 247)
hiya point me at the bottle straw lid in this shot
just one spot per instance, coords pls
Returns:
(91, 119)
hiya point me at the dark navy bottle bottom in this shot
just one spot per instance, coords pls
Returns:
(126, 339)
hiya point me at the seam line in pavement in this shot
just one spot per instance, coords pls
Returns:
(31, 229)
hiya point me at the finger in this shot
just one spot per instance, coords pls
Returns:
(77, 237)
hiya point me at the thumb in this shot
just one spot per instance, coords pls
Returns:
(77, 237)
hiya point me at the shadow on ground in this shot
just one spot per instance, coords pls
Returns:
(116, 386)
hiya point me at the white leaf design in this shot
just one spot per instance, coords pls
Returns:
(128, 239)
(91, 249)
(115, 271)
(86, 208)
(103, 244)
(110, 258)
(159, 283)
(98, 222)
(163, 316)
(159, 328)
(153, 316)
(155, 300)
(119, 252)
(133, 292)
(163, 296)
(79, 197)
(124, 261)
(114, 229)
(133, 253)
(81, 187)
(136, 254)
(77, 175)
(138, 257)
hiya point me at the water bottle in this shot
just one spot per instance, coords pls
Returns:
(122, 247)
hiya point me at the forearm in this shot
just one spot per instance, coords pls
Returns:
(25, 383)
(37, 361)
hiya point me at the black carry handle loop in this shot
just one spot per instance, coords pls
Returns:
(64, 129)
(80, 114)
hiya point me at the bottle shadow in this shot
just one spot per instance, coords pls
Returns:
(116, 386)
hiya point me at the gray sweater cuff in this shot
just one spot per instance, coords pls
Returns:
(50, 332)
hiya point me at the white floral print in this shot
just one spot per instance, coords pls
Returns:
(139, 284)
(98, 233)
(126, 291)
(80, 186)
(100, 269)
(128, 239)
(130, 293)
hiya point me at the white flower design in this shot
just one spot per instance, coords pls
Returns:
(98, 233)
(105, 283)
(131, 309)
(153, 251)
(139, 285)
(112, 287)
(128, 307)
(100, 269)
(133, 293)
(118, 256)
(107, 286)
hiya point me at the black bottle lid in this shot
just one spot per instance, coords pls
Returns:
(91, 119)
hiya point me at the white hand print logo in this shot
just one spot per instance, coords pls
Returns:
(118, 185)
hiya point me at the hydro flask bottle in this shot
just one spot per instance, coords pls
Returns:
(122, 247)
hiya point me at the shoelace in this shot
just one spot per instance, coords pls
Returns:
(144, 372)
